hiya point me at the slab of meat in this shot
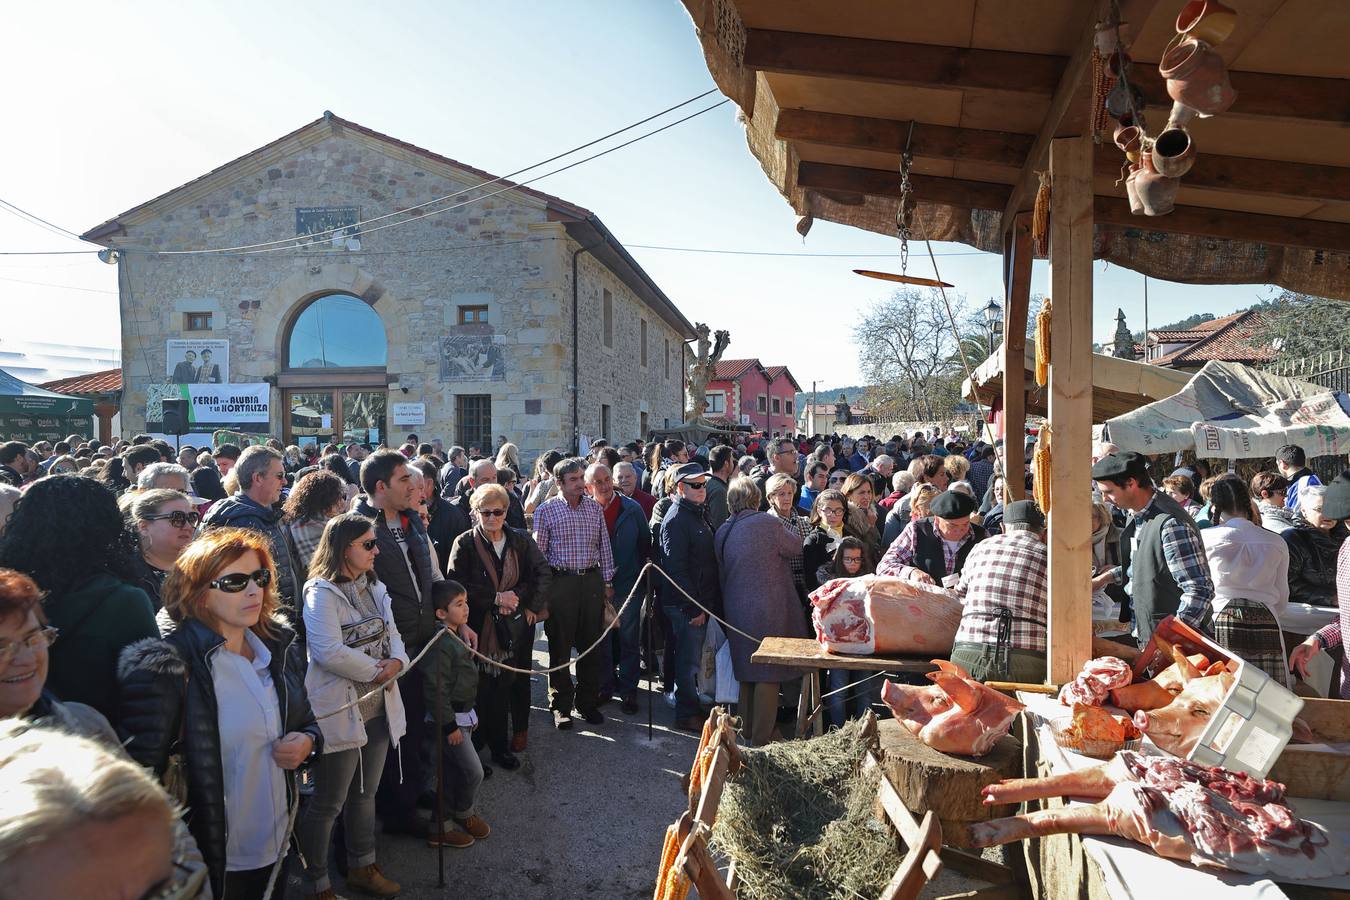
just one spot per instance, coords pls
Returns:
(955, 714)
(883, 614)
(1203, 815)
(1098, 678)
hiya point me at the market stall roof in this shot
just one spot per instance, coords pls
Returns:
(1118, 385)
(828, 93)
(19, 397)
(1231, 411)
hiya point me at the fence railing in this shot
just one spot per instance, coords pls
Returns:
(1330, 369)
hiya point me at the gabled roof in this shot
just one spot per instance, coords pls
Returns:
(734, 369)
(1229, 339)
(582, 225)
(105, 382)
(775, 371)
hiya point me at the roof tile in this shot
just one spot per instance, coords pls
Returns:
(105, 382)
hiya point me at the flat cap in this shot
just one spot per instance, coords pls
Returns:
(953, 505)
(1125, 464)
(1336, 501)
(1023, 512)
(689, 471)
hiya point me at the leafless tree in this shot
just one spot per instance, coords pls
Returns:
(906, 346)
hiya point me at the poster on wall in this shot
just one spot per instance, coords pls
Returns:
(470, 353)
(197, 361)
(328, 227)
(245, 407)
(409, 413)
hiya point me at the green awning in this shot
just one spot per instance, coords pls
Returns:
(19, 398)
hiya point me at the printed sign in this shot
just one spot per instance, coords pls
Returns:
(197, 361)
(409, 413)
(228, 404)
(328, 227)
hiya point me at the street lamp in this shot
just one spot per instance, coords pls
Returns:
(993, 321)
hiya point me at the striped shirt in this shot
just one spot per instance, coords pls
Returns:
(1332, 635)
(574, 537)
(1004, 571)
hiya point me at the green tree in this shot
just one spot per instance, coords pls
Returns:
(1303, 326)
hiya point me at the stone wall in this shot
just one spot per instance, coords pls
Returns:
(501, 252)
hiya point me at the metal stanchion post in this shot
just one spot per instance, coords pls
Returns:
(649, 610)
(440, 784)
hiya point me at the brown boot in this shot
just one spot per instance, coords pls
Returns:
(322, 895)
(475, 826)
(451, 838)
(519, 740)
(370, 880)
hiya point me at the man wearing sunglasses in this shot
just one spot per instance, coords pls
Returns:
(782, 461)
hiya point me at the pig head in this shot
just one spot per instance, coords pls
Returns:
(1177, 726)
(954, 714)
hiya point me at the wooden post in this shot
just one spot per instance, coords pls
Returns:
(1016, 296)
(1070, 613)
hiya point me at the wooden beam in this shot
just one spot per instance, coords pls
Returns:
(883, 183)
(1016, 298)
(1261, 95)
(889, 136)
(1312, 234)
(1232, 174)
(1070, 537)
(1074, 85)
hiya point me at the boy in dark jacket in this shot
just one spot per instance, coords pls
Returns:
(451, 686)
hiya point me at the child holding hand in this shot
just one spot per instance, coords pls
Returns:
(451, 687)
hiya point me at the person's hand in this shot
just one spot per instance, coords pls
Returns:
(507, 601)
(389, 669)
(1302, 655)
(699, 619)
(469, 636)
(455, 738)
(919, 576)
(292, 750)
(1102, 580)
(530, 618)
(609, 592)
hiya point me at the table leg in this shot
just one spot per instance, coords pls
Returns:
(804, 704)
(818, 719)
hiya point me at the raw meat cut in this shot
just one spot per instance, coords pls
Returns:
(955, 714)
(1207, 816)
(884, 614)
(1097, 679)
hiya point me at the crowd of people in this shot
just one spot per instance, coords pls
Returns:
(357, 624)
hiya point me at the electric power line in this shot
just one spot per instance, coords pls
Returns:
(842, 254)
(32, 219)
(68, 287)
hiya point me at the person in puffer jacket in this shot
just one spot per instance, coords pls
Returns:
(223, 675)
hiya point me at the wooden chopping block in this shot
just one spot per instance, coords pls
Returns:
(1318, 774)
(949, 785)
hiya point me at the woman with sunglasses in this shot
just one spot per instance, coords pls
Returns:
(224, 691)
(354, 650)
(165, 521)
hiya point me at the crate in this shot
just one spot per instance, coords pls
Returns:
(1255, 722)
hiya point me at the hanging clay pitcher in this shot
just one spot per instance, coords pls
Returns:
(1197, 77)
(1173, 152)
(1132, 191)
(1128, 137)
(1157, 192)
(1207, 20)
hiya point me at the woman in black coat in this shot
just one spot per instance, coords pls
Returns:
(224, 691)
(505, 601)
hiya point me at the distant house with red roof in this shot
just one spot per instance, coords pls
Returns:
(1243, 337)
(746, 392)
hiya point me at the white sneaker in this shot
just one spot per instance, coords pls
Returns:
(670, 699)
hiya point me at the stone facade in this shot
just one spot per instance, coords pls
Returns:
(511, 253)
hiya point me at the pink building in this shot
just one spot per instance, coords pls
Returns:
(745, 392)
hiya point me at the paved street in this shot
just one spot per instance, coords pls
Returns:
(584, 815)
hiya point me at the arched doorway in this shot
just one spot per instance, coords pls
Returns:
(334, 380)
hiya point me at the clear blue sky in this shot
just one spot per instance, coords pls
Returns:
(109, 106)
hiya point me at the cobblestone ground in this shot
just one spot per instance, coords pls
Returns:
(583, 816)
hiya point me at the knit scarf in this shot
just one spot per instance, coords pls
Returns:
(495, 642)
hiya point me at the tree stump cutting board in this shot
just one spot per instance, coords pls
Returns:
(949, 785)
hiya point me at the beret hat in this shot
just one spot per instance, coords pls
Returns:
(953, 505)
(1023, 512)
(1124, 464)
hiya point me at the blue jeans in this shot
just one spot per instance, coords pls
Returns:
(688, 650)
(851, 703)
(629, 631)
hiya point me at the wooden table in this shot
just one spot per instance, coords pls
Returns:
(807, 653)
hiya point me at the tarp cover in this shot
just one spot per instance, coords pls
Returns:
(1231, 411)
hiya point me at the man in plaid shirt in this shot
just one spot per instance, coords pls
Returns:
(1003, 594)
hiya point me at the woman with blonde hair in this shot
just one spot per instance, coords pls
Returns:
(921, 501)
(508, 457)
(225, 679)
(957, 467)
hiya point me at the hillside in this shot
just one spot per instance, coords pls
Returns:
(829, 395)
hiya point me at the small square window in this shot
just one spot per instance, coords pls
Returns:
(196, 321)
(473, 315)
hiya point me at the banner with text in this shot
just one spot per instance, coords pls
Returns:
(227, 404)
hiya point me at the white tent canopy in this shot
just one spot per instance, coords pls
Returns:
(1231, 411)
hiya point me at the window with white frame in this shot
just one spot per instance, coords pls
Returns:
(717, 402)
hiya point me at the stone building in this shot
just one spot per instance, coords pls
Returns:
(488, 309)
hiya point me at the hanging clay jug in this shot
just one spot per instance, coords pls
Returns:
(1157, 192)
(1173, 152)
(1197, 77)
(1128, 137)
(1132, 191)
(1207, 20)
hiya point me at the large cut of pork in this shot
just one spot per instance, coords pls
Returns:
(884, 614)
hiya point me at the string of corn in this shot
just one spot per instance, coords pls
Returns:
(1040, 217)
(676, 885)
(668, 849)
(1102, 82)
(1043, 343)
(1040, 470)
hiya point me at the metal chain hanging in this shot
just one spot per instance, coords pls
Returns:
(904, 213)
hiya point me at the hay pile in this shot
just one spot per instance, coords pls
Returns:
(798, 821)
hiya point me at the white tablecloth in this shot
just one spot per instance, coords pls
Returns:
(1133, 872)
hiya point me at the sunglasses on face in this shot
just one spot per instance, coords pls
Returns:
(367, 545)
(178, 518)
(696, 485)
(838, 480)
(492, 512)
(235, 582)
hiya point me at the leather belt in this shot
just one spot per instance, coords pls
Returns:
(558, 570)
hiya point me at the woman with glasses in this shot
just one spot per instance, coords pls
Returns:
(780, 489)
(68, 535)
(355, 653)
(864, 518)
(223, 694)
(827, 530)
(316, 498)
(507, 579)
(165, 521)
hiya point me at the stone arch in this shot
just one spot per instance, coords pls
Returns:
(293, 294)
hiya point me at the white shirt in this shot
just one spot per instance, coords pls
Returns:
(1247, 562)
(249, 719)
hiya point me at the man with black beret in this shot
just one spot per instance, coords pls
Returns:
(1163, 564)
(1335, 505)
(934, 549)
(1003, 589)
